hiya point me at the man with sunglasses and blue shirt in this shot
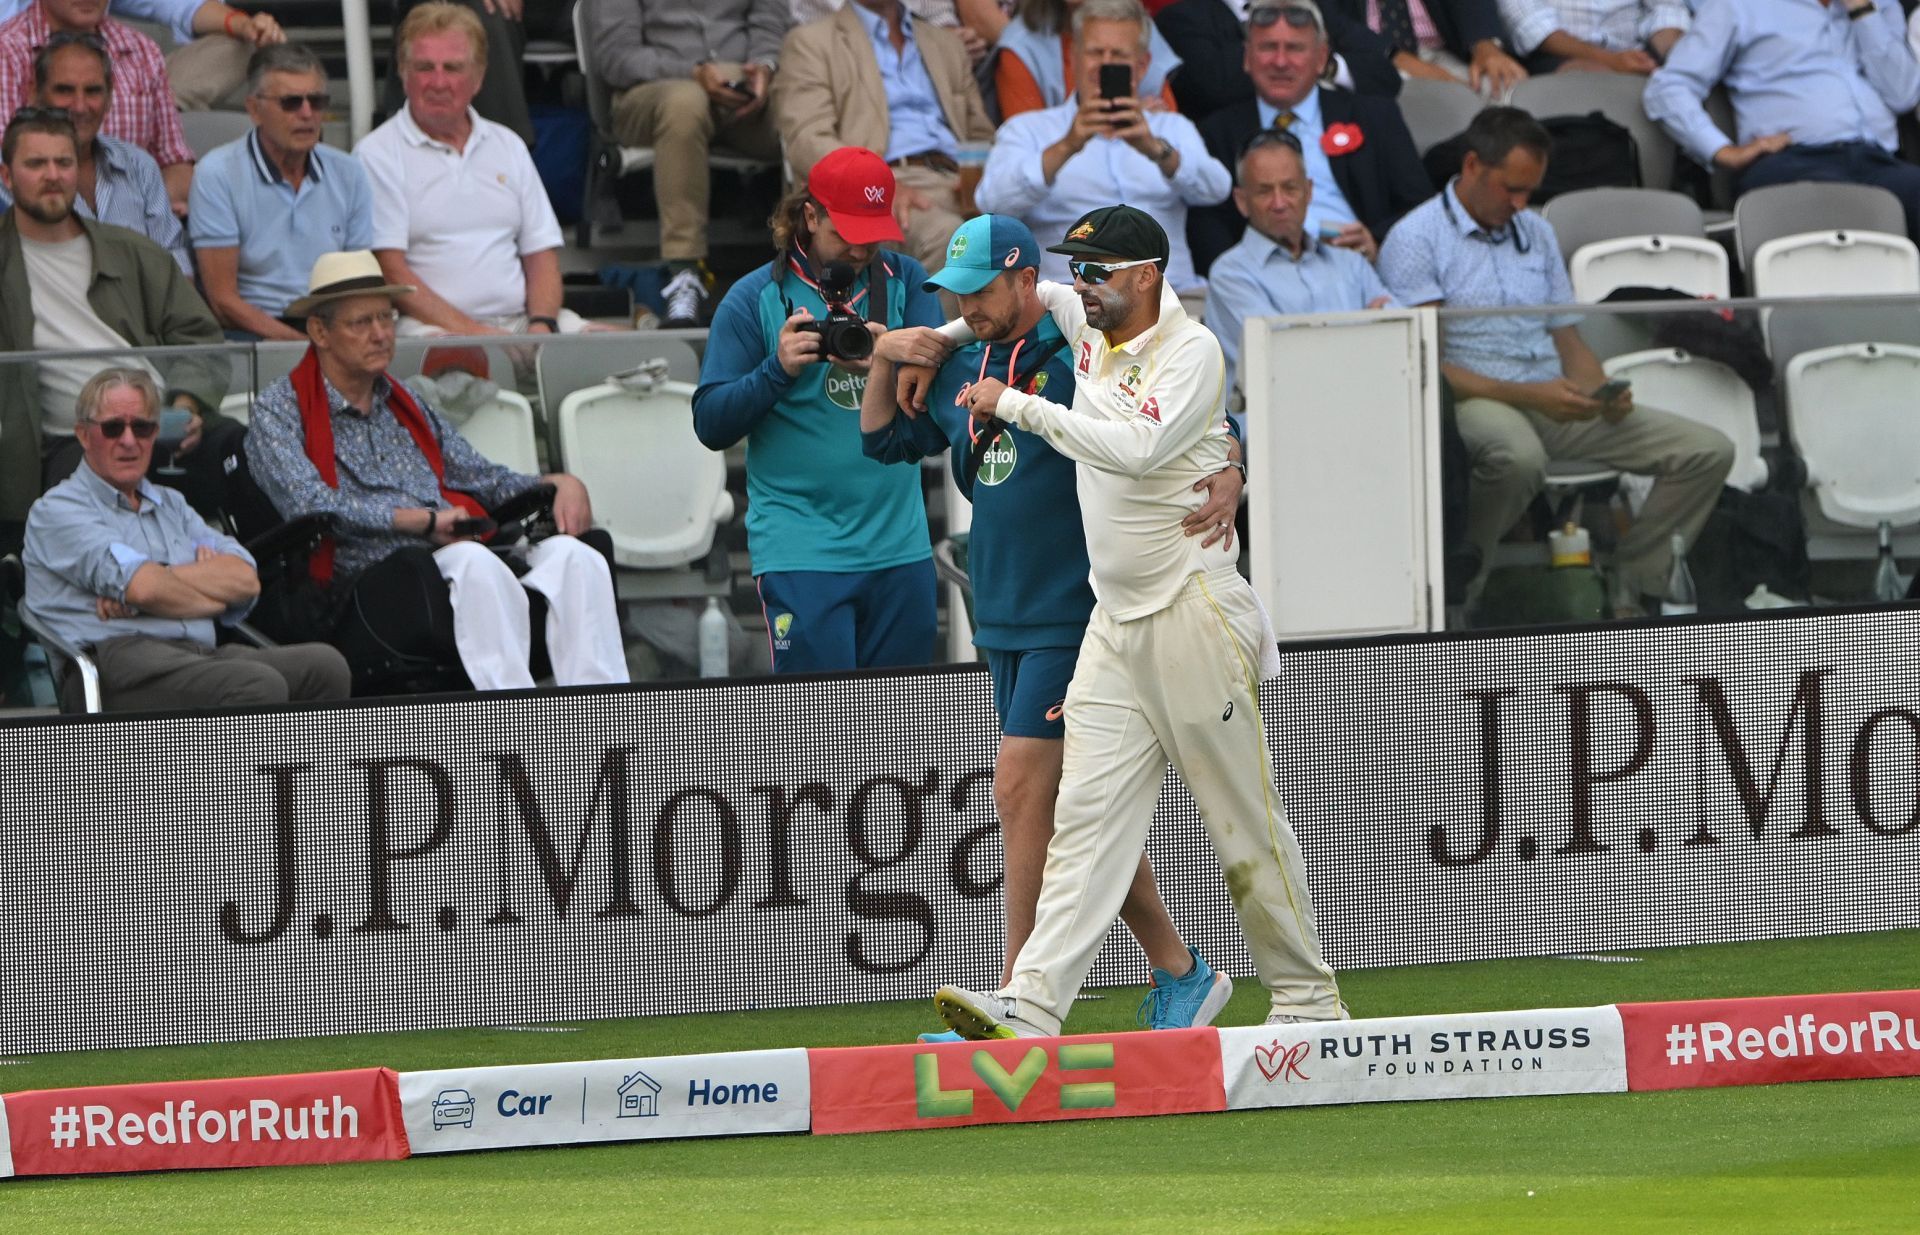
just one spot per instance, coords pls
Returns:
(124, 569)
(1175, 650)
(1031, 592)
(1526, 384)
(268, 206)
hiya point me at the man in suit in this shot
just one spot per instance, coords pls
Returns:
(1448, 40)
(1365, 170)
(870, 75)
(1210, 36)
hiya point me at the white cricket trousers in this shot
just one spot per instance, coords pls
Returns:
(1180, 685)
(491, 626)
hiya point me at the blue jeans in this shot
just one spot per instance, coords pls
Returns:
(1846, 162)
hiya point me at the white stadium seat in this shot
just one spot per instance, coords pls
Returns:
(1697, 267)
(656, 488)
(1856, 423)
(1836, 263)
(503, 431)
(1701, 390)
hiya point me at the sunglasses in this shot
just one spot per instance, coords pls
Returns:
(1298, 18)
(142, 426)
(31, 114)
(1099, 272)
(74, 38)
(290, 103)
(1271, 137)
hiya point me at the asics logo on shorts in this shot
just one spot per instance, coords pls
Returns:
(1057, 710)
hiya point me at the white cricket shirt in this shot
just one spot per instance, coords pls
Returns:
(1148, 420)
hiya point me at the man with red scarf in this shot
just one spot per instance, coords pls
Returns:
(339, 436)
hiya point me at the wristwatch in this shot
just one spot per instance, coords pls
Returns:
(552, 325)
(1165, 152)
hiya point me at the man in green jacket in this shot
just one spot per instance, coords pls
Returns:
(68, 283)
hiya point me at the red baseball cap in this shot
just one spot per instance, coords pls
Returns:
(856, 187)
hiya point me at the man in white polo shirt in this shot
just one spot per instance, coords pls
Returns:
(458, 208)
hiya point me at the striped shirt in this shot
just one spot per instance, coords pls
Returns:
(1613, 24)
(142, 111)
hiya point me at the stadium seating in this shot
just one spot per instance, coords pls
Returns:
(1684, 263)
(1855, 428)
(566, 363)
(1702, 390)
(658, 491)
(1836, 263)
(1811, 206)
(503, 431)
(1436, 110)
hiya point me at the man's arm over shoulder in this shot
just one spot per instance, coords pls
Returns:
(1063, 305)
(1181, 403)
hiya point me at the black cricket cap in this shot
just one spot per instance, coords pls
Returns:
(1116, 231)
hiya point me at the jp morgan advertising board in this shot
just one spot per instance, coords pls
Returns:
(551, 857)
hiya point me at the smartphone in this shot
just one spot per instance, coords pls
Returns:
(740, 86)
(1329, 232)
(474, 527)
(1609, 391)
(1116, 81)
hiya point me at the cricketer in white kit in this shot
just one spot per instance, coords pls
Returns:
(1174, 654)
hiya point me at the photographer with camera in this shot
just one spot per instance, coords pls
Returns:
(838, 541)
(1104, 145)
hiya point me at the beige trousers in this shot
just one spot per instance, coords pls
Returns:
(681, 122)
(1510, 448)
(209, 72)
(1180, 685)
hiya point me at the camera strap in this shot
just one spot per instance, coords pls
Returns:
(990, 432)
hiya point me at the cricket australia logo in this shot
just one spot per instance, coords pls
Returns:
(997, 464)
(1130, 381)
(957, 249)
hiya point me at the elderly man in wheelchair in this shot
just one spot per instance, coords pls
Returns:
(412, 570)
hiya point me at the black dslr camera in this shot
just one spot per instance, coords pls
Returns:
(843, 333)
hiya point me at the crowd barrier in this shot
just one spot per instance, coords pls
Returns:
(607, 852)
(374, 1113)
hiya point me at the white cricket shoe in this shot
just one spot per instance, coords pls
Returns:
(979, 1017)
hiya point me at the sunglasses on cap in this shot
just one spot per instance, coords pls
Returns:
(1099, 272)
(1266, 14)
(1267, 138)
(143, 427)
(73, 38)
(290, 103)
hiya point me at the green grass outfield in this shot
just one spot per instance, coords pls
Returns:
(1829, 1156)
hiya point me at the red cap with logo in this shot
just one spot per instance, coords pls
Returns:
(856, 187)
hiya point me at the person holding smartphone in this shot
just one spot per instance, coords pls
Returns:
(1529, 388)
(1104, 145)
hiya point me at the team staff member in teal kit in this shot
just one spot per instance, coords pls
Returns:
(1029, 564)
(839, 542)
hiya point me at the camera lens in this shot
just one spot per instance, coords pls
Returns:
(849, 340)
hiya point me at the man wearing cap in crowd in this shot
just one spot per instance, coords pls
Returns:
(1031, 596)
(341, 437)
(1175, 650)
(838, 541)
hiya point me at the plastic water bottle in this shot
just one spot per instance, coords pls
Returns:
(1680, 598)
(1886, 578)
(1571, 546)
(713, 640)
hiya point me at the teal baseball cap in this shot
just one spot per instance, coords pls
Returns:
(983, 248)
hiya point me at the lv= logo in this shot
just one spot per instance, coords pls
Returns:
(1012, 1088)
